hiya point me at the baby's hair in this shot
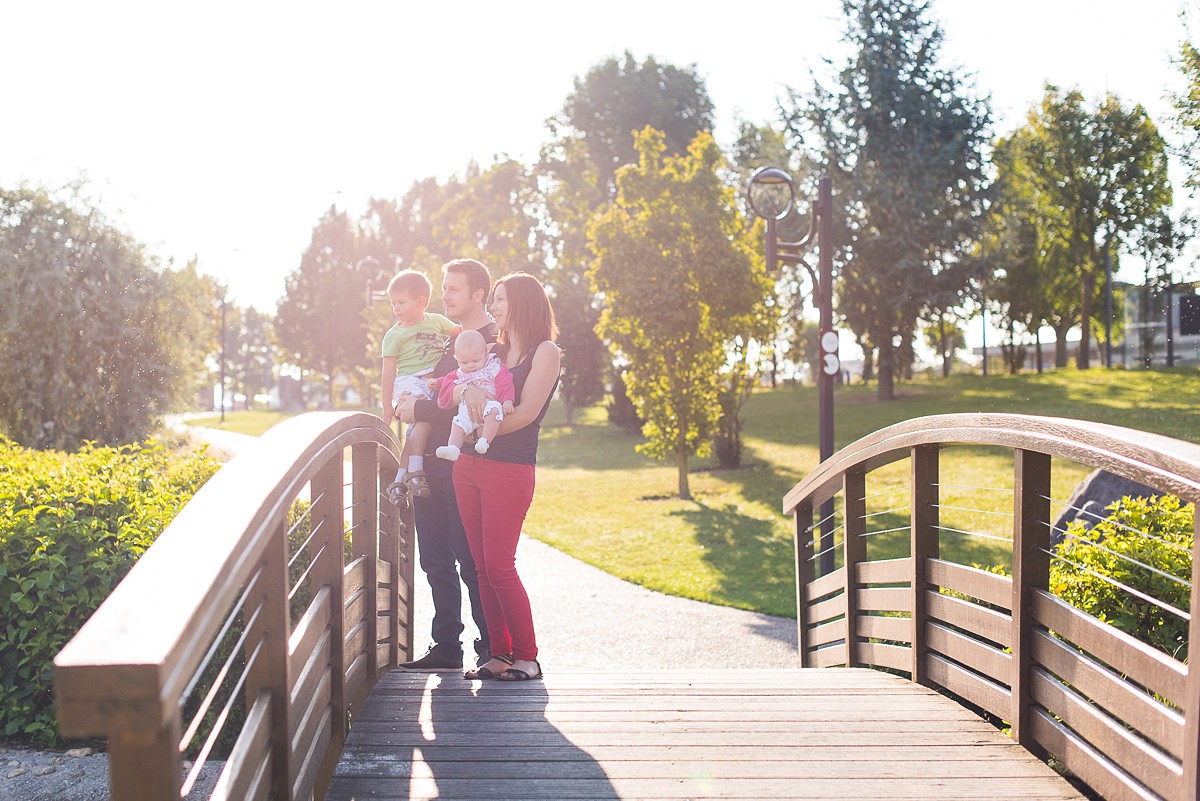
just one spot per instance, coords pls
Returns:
(470, 339)
(411, 283)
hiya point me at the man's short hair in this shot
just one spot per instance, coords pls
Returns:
(476, 272)
(411, 283)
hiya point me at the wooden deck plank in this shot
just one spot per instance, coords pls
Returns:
(835, 733)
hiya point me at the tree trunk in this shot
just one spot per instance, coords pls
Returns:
(1037, 344)
(886, 373)
(1083, 361)
(1060, 346)
(569, 413)
(681, 461)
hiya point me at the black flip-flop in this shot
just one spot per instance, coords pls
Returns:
(516, 674)
(484, 672)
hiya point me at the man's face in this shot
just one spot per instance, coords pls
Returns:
(456, 295)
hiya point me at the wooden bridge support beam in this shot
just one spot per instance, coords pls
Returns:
(805, 572)
(925, 546)
(854, 515)
(1191, 745)
(1031, 572)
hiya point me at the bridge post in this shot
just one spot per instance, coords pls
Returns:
(364, 538)
(925, 546)
(1191, 720)
(269, 672)
(1030, 572)
(330, 512)
(803, 537)
(854, 543)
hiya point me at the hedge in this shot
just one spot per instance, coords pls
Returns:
(71, 526)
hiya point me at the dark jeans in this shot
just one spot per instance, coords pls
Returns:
(446, 559)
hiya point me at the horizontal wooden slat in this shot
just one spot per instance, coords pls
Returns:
(825, 610)
(1086, 762)
(1122, 700)
(383, 571)
(885, 599)
(356, 608)
(354, 577)
(383, 598)
(987, 587)
(971, 686)
(309, 716)
(309, 673)
(1146, 764)
(977, 655)
(885, 571)
(897, 657)
(313, 625)
(356, 679)
(383, 655)
(979, 620)
(305, 770)
(249, 753)
(1143, 664)
(826, 633)
(818, 588)
(355, 645)
(885, 627)
(828, 657)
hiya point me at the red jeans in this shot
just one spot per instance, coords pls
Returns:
(493, 498)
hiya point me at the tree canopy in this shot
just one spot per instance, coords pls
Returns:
(95, 340)
(903, 140)
(680, 281)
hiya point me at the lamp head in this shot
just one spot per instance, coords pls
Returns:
(771, 193)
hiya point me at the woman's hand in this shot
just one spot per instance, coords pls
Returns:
(475, 398)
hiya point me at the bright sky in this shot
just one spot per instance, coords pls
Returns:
(223, 130)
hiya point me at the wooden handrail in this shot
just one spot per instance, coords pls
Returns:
(126, 673)
(1121, 715)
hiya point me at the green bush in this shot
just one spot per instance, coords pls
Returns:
(71, 526)
(1113, 548)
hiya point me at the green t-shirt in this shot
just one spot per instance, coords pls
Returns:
(418, 347)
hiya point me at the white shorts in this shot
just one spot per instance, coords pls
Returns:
(412, 385)
(463, 418)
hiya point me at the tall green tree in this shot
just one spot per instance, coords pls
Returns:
(591, 138)
(1187, 111)
(681, 281)
(1106, 170)
(320, 325)
(903, 140)
(96, 340)
(249, 366)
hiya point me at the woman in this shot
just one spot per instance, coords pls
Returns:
(495, 489)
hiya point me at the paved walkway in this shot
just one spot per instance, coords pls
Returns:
(588, 619)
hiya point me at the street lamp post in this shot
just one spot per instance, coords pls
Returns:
(772, 196)
(222, 357)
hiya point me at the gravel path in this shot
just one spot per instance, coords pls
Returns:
(585, 618)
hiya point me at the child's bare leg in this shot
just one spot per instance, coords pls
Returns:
(453, 447)
(487, 431)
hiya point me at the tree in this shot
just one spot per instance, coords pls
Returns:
(1187, 111)
(1106, 170)
(903, 141)
(320, 324)
(590, 139)
(678, 273)
(617, 98)
(96, 340)
(248, 363)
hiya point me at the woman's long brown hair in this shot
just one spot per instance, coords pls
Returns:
(530, 316)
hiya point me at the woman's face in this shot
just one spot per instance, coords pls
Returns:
(499, 307)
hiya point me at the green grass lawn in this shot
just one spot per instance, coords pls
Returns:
(253, 423)
(603, 503)
(606, 505)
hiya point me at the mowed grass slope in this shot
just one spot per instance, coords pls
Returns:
(601, 502)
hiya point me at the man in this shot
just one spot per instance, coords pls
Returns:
(441, 542)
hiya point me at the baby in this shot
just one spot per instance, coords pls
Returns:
(476, 367)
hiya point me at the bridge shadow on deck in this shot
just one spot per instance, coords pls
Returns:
(750, 734)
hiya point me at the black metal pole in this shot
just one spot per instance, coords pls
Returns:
(1108, 310)
(983, 317)
(1170, 324)
(222, 360)
(825, 381)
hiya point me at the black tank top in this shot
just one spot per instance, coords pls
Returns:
(520, 446)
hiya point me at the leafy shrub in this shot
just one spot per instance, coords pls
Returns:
(71, 526)
(1113, 548)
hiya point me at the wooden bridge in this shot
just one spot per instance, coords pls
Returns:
(256, 621)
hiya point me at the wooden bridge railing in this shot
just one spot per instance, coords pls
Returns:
(253, 615)
(1121, 715)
